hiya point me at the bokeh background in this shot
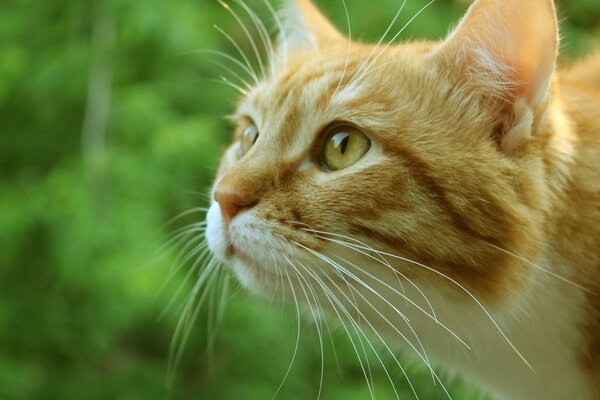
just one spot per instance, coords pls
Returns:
(111, 124)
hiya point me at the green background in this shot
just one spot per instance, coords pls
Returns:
(109, 127)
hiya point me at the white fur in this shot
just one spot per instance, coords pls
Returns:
(539, 324)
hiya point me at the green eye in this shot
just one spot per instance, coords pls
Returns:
(248, 139)
(344, 146)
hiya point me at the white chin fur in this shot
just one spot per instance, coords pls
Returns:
(215, 233)
(219, 243)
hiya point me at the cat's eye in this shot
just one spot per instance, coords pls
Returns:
(344, 146)
(248, 138)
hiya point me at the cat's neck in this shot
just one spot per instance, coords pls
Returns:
(551, 330)
(556, 323)
(574, 225)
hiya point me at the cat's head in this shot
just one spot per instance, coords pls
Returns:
(358, 165)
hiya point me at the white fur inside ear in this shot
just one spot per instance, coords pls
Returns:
(521, 129)
(295, 34)
(511, 44)
(489, 73)
(304, 27)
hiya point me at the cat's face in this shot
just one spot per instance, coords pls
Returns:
(354, 167)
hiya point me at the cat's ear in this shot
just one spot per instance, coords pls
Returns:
(509, 46)
(303, 27)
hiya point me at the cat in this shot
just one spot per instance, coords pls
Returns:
(443, 195)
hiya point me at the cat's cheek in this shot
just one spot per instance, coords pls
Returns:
(215, 233)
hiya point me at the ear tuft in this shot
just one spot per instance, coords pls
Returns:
(305, 28)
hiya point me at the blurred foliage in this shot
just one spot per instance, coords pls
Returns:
(81, 220)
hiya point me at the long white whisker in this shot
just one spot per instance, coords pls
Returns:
(202, 253)
(225, 82)
(191, 317)
(191, 249)
(177, 345)
(281, 30)
(540, 268)
(247, 33)
(187, 212)
(231, 59)
(332, 298)
(408, 300)
(394, 38)
(381, 39)
(264, 34)
(287, 373)
(174, 237)
(347, 50)
(381, 260)
(468, 293)
(368, 287)
(424, 357)
(370, 345)
(193, 227)
(237, 47)
(315, 318)
(236, 75)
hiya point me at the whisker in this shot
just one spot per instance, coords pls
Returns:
(229, 58)
(381, 260)
(287, 373)
(370, 344)
(394, 38)
(186, 320)
(264, 35)
(216, 310)
(369, 376)
(468, 293)
(236, 45)
(424, 357)
(197, 266)
(347, 50)
(225, 82)
(185, 213)
(317, 325)
(236, 75)
(373, 328)
(175, 238)
(178, 237)
(381, 39)
(385, 263)
(540, 268)
(200, 260)
(281, 30)
(247, 33)
(366, 286)
(408, 300)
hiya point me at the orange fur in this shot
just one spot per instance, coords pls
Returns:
(475, 160)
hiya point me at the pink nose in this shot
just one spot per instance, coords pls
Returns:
(232, 203)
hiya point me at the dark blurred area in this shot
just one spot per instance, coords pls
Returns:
(111, 124)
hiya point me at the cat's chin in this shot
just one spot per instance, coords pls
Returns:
(254, 278)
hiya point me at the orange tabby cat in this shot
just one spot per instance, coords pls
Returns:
(444, 195)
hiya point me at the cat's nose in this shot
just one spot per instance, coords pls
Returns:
(232, 202)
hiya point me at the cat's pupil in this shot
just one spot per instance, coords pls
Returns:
(340, 141)
(344, 144)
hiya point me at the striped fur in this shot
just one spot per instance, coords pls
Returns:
(479, 199)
